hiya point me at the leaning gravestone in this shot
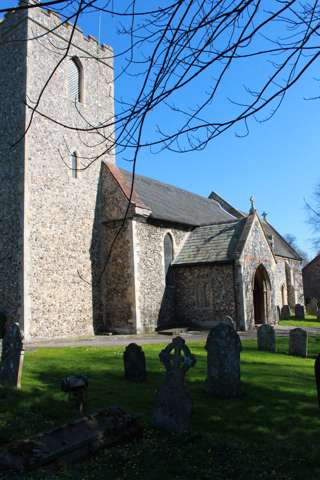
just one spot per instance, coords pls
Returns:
(173, 403)
(134, 363)
(298, 342)
(285, 313)
(312, 307)
(223, 363)
(266, 338)
(12, 356)
(299, 311)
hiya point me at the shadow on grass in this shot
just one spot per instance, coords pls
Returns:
(278, 402)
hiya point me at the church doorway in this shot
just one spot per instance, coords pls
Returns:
(261, 296)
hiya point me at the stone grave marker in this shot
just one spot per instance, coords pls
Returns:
(173, 403)
(76, 387)
(285, 313)
(12, 356)
(312, 307)
(69, 443)
(134, 363)
(266, 338)
(299, 311)
(229, 321)
(223, 362)
(298, 342)
(317, 376)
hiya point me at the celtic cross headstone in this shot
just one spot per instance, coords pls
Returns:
(173, 403)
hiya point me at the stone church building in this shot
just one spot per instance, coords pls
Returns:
(178, 258)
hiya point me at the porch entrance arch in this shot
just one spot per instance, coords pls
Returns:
(261, 295)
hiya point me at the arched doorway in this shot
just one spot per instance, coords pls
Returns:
(261, 296)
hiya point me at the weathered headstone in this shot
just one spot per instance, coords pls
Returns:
(317, 375)
(266, 338)
(12, 356)
(173, 403)
(69, 443)
(312, 307)
(285, 313)
(229, 321)
(223, 363)
(76, 386)
(134, 363)
(298, 342)
(299, 311)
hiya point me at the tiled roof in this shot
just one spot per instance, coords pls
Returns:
(212, 243)
(176, 205)
(281, 247)
(169, 203)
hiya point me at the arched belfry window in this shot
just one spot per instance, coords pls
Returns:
(74, 164)
(75, 79)
(168, 257)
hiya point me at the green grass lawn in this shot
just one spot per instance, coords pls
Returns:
(271, 432)
(309, 321)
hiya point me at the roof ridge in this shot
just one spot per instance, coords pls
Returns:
(222, 222)
(282, 239)
(208, 200)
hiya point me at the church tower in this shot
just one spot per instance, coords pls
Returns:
(49, 180)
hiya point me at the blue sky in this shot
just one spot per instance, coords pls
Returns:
(278, 162)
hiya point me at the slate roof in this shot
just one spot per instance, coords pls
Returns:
(176, 205)
(169, 203)
(212, 243)
(281, 247)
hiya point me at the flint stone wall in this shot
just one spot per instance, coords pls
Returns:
(155, 301)
(256, 252)
(12, 121)
(61, 230)
(118, 286)
(204, 294)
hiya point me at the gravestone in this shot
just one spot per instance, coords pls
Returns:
(285, 313)
(229, 321)
(278, 313)
(298, 342)
(76, 386)
(266, 338)
(173, 403)
(134, 363)
(12, 356)
(312, 307)
(223, 362)
(318, 315)
(317, 376)
(299, 311)
(70, 443)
